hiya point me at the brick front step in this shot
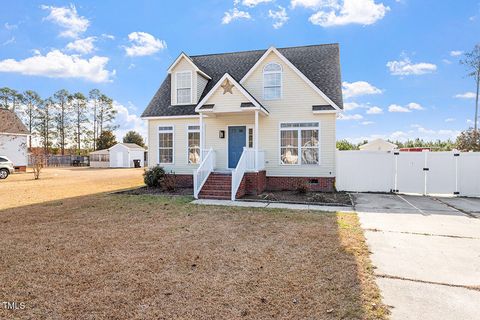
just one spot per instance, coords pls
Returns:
(217, 186)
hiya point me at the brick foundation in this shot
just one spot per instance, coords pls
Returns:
(255, 182)
(184, 180)
(326, 184)
(20, 169)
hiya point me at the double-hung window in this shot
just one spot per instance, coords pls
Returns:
(299, 143)
(193, 144)
(272, 81)
(184, 87)
(165, 145)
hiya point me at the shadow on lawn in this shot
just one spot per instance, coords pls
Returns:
(151, 257)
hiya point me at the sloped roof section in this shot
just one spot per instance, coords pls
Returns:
(131, 146)
(11, 123)
(319, 63)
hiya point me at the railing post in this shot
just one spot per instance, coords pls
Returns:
(255, 143)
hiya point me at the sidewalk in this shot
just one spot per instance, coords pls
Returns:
(272, 205)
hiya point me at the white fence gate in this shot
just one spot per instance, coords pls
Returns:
(409, 172)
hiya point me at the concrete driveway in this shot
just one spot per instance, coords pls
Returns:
(426, 252)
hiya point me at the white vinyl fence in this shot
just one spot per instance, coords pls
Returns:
(409, 172)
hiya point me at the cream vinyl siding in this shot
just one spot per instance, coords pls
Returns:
(201, 84)
(182, 66)
(228, 102)
(295, 105)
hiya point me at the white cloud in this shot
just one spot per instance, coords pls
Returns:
(466, 95)
(9, 26)
(253, 3)
(312, 4)
(56, 64)
(343, 116)
(82, 46)
(350, 106)
(126, 121)
(9, 41)
(358, 88)
(446, 61)
(143, 44)
(335, 13)
(405, 67)
(375, 110)
(68, 19)
(414, 106)
(366, 123)
(450, 120)
(279, 17)
(397, 108)
(235, 14)
(456, 53)
(108, 36)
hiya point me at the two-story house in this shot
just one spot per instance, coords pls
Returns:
(242, 122)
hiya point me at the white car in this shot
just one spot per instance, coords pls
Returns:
(6, 167)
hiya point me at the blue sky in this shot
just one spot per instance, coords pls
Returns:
(399, 58)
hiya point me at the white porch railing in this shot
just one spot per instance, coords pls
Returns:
(250, 159)
(201, 174)
(239, 172)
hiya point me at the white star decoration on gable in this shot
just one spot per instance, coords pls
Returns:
(227, 87)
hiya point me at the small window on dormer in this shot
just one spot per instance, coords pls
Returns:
(272, 81)
(184, 87)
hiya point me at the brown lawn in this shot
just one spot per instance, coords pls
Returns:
(113, 256)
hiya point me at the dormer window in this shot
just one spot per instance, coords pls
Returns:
(184, 87)
(272, 81)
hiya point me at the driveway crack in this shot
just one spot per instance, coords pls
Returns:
(386, 276)
(421, 234)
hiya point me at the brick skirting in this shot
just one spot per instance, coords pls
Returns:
(255, 182)
(184, 180)
(20, 168)
(326, 184)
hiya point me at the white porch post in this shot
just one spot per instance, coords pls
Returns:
(255, 140)
(201, 137)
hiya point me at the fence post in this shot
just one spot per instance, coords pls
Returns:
(425, 172)
(456, 154)
(396, 154)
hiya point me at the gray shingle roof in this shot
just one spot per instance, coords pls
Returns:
(11, 123)
(319, 63)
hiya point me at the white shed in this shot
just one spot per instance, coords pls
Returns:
(122, 155)
(13, 139)
(378, 145)
(100, 159)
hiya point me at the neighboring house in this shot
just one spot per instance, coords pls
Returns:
(13, 139)
(378, 145)
(123, 155)
(263, 119)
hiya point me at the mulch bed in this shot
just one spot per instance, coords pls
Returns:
(158, 191)
(319, 198)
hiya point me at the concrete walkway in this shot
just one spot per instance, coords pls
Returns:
(271, 205)
(426, 252)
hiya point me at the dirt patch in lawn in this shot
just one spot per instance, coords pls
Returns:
(153, 257)
(330, 198)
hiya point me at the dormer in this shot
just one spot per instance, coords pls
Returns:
(187, 81)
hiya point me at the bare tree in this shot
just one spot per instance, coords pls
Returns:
(94, 97)
(472, 62)
(32, 102)
(79, 102)
(62, 117)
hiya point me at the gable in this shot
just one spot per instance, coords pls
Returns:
(11, 123)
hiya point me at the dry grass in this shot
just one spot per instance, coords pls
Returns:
(150, 257)
(62, 183)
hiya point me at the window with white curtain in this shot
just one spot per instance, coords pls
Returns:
(299, 143)
(184, 87)
(165, 145)
(193, 144)
(272, 81)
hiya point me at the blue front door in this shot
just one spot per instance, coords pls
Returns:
(237, 138)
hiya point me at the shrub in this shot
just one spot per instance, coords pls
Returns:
(302, 187)
(170, 182)
(154, 177)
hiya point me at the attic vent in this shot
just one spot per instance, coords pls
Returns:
(313, 181)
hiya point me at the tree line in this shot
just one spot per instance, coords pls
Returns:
(65, 121)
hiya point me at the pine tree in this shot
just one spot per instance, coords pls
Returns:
(32, 103)
(79, 103)
(63, 117)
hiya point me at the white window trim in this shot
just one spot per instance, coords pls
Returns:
(188, 131)
(299, 137)
(176, 88)
(271, 72)
(173, 143)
